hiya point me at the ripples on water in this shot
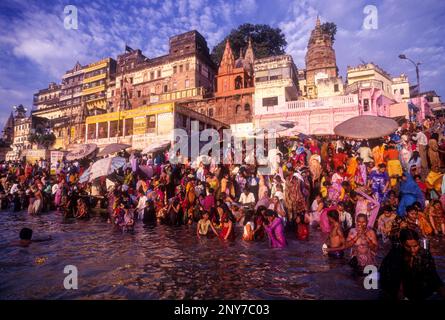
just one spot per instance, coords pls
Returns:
(165, 262)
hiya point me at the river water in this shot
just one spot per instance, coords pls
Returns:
(165, 262)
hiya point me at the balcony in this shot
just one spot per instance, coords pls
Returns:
(95, 78)
(309, 105)
(365, 84)
(93, 90)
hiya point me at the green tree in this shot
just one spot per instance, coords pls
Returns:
(330, 28)
(266, 41)
(45, 140)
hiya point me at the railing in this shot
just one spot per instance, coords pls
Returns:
(338, 101)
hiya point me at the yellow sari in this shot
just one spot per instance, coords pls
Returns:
(351, 169)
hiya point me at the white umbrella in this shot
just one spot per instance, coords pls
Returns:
(105, 167)
(81, 151)
(366, 127)
(113, 148)
(164, 144)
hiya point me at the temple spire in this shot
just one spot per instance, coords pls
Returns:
(228, 61)
(317, 23)
(249, 55)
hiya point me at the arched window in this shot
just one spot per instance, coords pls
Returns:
(247, 107)
(238, 82)
(237, 109)
(210, 112)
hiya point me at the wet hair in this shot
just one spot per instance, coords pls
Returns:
(408, 234)
(248, 217)
(25, 234)
(259, 209)
(435, 136)
(386, 208)
(333, 214)
(270, 213)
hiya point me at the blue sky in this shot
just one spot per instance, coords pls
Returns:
(36, 48)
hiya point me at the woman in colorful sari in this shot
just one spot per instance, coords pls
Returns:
(409, 193)
(361, 175)
(315, 167)
(351, 170)
(379, 182)
(275, 230)
(391, 156)
(433, 152)
(378, 154)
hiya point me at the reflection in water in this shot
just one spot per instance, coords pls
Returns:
(168, 263)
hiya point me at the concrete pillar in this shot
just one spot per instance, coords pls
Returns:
(97, 130)
(108, 132)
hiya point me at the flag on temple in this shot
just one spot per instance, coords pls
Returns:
(128, 49)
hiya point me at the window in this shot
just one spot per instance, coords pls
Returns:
(187, 83)
(144, 102)
(103, 130)
(365, 104)
(335, 87)
(165, 88)
(131, 80)
(210, 112)
(237, 109)
(402, 91)
(174, 69)
(269, 102)
(181, 68)
(175, 86)
(277, 73)
(128, 127)
(247, 107)
(151, 123)
(152, 75)
(139, 93)
(187, 66)
(238, 82)
(159, 73)
(395, 91)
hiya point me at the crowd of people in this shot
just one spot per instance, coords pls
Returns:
(363, 195)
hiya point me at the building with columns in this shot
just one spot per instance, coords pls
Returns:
(185, 73)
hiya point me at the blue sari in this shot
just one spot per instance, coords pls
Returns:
(410, 193)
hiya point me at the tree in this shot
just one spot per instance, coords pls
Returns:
(44, 140)
(330, 28)
(266, 41)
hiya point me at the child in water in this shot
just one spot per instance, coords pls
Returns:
(302, 220)
(336, 239)
(384, 223)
